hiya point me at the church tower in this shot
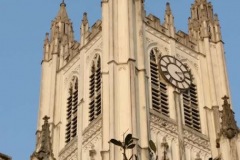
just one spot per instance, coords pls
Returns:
(134, 83)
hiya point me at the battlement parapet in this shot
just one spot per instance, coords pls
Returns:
(185, 39)
(95, 29)
(154, 22)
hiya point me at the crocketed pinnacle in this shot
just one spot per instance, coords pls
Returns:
(62, 13)
(168, 9)
(61, 26)
(229, 126)
(45, 151)
(201, 20)
(84, 19)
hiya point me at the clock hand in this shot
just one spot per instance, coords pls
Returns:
(179, 73)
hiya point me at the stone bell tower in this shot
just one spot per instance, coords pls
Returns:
(124, 72)
(111, 83)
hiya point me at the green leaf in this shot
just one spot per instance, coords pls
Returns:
(131, 146)
(130, 142)
(128, 139)
(116, 142)
(152, 146)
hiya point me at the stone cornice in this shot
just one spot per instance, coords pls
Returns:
(196, 139)
(163, 123)
(157, 34)
(69, 149)
(167, 127)
(92, 129)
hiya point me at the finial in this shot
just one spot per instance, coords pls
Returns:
(84, 19)
(215, 17)
(46, 41)
(46, 118)
(225, 99)
(45, 150)
(63, 3)
(168, 8)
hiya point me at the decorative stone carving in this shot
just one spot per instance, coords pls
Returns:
(121, 68)
(229, 126)
(92, 134)
(198, 157)
(184, 59)
(45, 151)
(75, 71)
(93, 41)
(197, 140)
(71, 63)
(158, 123)
(158, 34)
(149, 41)
(70, 151)
(165, 146)
(167, 128)
(187, 51)
(92, 153)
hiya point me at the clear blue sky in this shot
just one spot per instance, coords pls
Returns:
(23, 24)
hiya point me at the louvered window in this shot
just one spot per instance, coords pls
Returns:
(71, 112)
(95, 96)
(158, 88)
(191, 111)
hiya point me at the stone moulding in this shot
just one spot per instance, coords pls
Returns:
(70, 63)
(69, 151)
(197, 140)
(192, 139)
(157, 34)
(159, 122)
(188, 51)
(183, 59)
(92, 130)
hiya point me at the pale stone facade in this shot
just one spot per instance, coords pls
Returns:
(104, 86)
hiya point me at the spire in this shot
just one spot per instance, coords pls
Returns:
(169, 20)
(229, 126)
(84, 19)
(62, 13)
(201, 19)
(62, 25)
(168, 9)
(45, 150)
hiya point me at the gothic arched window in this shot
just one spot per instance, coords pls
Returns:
(190, 107)
(71, 112)
(95, 89)
(158, 88)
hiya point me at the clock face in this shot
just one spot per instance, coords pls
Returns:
(175, 72)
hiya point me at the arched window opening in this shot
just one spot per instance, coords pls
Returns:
(158, 88)
(71, 112)
(191, 109)
(95, 89)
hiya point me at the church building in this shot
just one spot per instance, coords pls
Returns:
(135, 88)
